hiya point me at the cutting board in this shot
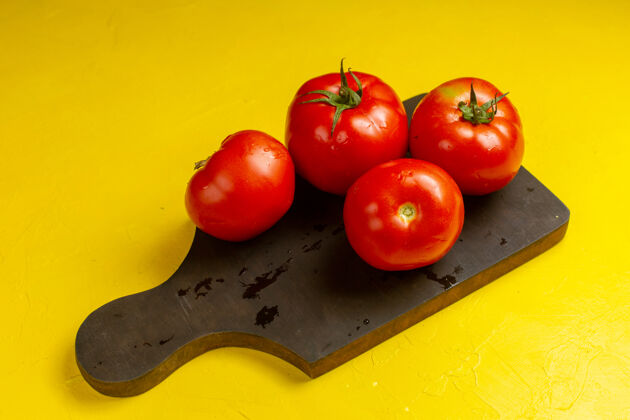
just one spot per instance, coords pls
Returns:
(299, 291)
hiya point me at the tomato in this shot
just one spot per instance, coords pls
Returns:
(403, 214)
(336, 131)
(474, 134)
(242, 189)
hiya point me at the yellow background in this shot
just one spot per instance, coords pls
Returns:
(104, 107)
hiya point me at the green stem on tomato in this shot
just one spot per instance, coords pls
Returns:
(201, 163)
(479, 114)
(346, 99)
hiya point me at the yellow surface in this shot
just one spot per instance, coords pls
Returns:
(104, 106)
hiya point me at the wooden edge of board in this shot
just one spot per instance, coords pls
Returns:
(188, 352)
(238, 339)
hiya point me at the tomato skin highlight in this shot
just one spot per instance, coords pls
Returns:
(375, 131)
(243, 189)
(403, 214)
(482, 158)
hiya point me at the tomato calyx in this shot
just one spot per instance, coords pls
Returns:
(407, 212)
(201, 163)
(346, 99)
(476, 114)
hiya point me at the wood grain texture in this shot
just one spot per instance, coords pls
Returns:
(301, 293)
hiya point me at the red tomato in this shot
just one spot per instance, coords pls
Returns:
(335, 133)
(475, 135)
(403, 214)
(242, 189)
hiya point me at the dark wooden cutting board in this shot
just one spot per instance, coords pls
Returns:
(300, 292)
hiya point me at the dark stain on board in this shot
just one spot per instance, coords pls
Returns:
(264, 280)
(166, 340)
(313, 247)
(446, 280)
(204, 284)
(201, 289)
(338, 230)
(266, 315)
(503, 241)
